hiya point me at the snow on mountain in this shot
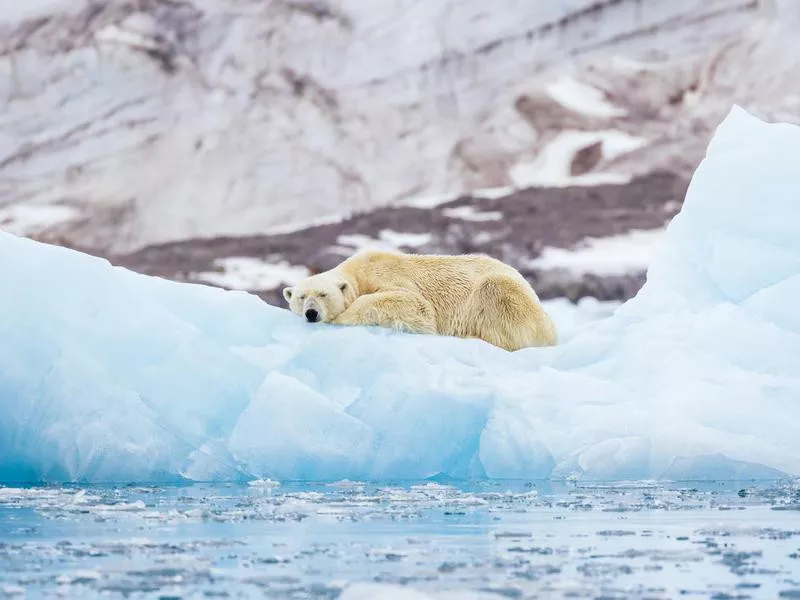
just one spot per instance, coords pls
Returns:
(159, 121)
(624, 253)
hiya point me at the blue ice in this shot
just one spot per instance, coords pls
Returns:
(107, 375)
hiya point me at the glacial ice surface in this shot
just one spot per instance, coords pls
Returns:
(107, 375)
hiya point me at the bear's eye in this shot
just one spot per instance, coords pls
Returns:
(322, 294)
(301, 297)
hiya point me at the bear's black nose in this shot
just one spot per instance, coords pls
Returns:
(312, 316)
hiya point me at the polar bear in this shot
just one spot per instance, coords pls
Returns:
(468, 296)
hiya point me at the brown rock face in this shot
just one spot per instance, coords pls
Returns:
(514, 228)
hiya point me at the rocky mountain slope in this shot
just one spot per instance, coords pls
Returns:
(148, 121)
(247, 143)
(589, 241)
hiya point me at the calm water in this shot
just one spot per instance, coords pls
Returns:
(354, 541)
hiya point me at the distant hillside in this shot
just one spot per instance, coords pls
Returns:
(130, 123)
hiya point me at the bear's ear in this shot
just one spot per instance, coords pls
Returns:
(287, 294)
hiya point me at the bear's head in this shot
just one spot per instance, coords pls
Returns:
(320, 298)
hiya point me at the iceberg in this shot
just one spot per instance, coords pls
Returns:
(111, 376)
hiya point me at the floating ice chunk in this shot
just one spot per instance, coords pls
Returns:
(267, 484)
(107, 375)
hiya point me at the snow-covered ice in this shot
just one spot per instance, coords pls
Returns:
(572, 318)
(110, 375)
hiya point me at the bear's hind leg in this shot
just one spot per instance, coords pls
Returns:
(503, 313)
(400, 310)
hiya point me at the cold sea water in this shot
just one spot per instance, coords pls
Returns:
(403, 540)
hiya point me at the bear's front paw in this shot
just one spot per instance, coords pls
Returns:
(345, 319)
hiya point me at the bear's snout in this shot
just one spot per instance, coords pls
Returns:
(312, 316)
